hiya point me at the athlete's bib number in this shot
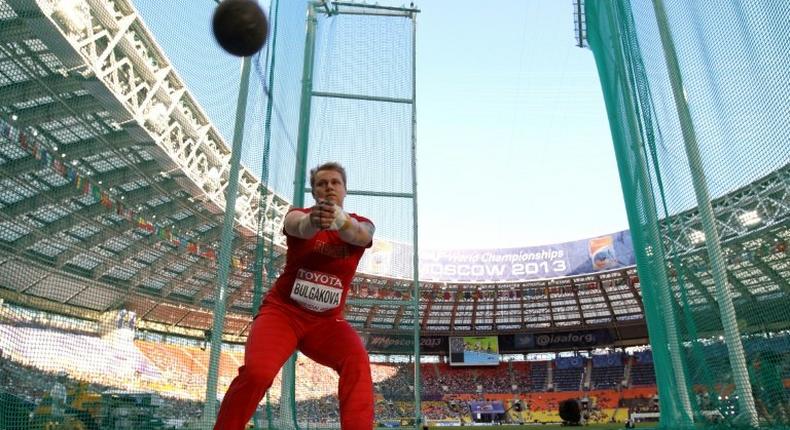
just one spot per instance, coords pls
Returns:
(316, 291)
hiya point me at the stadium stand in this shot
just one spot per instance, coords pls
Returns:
(607, 371)
(642, 372)
(450, 389)
(539, 376)
(128, 226)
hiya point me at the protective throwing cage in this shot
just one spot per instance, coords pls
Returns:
(355, 99)
(127, 291)
(125, 298)
(696, 95)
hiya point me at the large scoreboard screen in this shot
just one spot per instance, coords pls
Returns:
(474, 351)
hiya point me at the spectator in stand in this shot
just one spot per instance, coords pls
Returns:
(58, 397)
(769, 390)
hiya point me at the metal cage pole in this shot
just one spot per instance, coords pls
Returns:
(712, 241)
(210, 407)
(415, 255)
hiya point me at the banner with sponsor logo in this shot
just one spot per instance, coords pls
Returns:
(644, 357)
(596, 254)
(445, 422)
(389, 259)
(608, 360)
(484, 408)
(575, 362)
(557, 340)
(382, 343)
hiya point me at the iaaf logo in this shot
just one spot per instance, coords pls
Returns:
(549, 339)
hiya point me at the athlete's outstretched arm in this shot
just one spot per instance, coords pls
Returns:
(355, 232)
(301, 225)
(350, 230)
(326, 215)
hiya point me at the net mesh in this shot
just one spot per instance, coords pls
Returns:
(116, 124)
(360, 115)
(116, 120)
(694, 97)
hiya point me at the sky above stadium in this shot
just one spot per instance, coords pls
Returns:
(513, 143)
(513, 113)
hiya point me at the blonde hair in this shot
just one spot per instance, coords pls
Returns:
(332, 165)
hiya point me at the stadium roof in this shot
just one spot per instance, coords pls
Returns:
(111, 195)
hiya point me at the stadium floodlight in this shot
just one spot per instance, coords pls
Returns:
(156, 116)
(749, 218)
(242, 205)
(213, 178)
(696, 237)
(73, 15)
(580, 23)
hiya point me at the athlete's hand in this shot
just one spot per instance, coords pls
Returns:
(341, 221)
(322, 214)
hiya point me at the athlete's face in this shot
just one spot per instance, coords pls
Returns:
(329, 186)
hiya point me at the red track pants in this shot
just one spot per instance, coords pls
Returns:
(276, 333)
